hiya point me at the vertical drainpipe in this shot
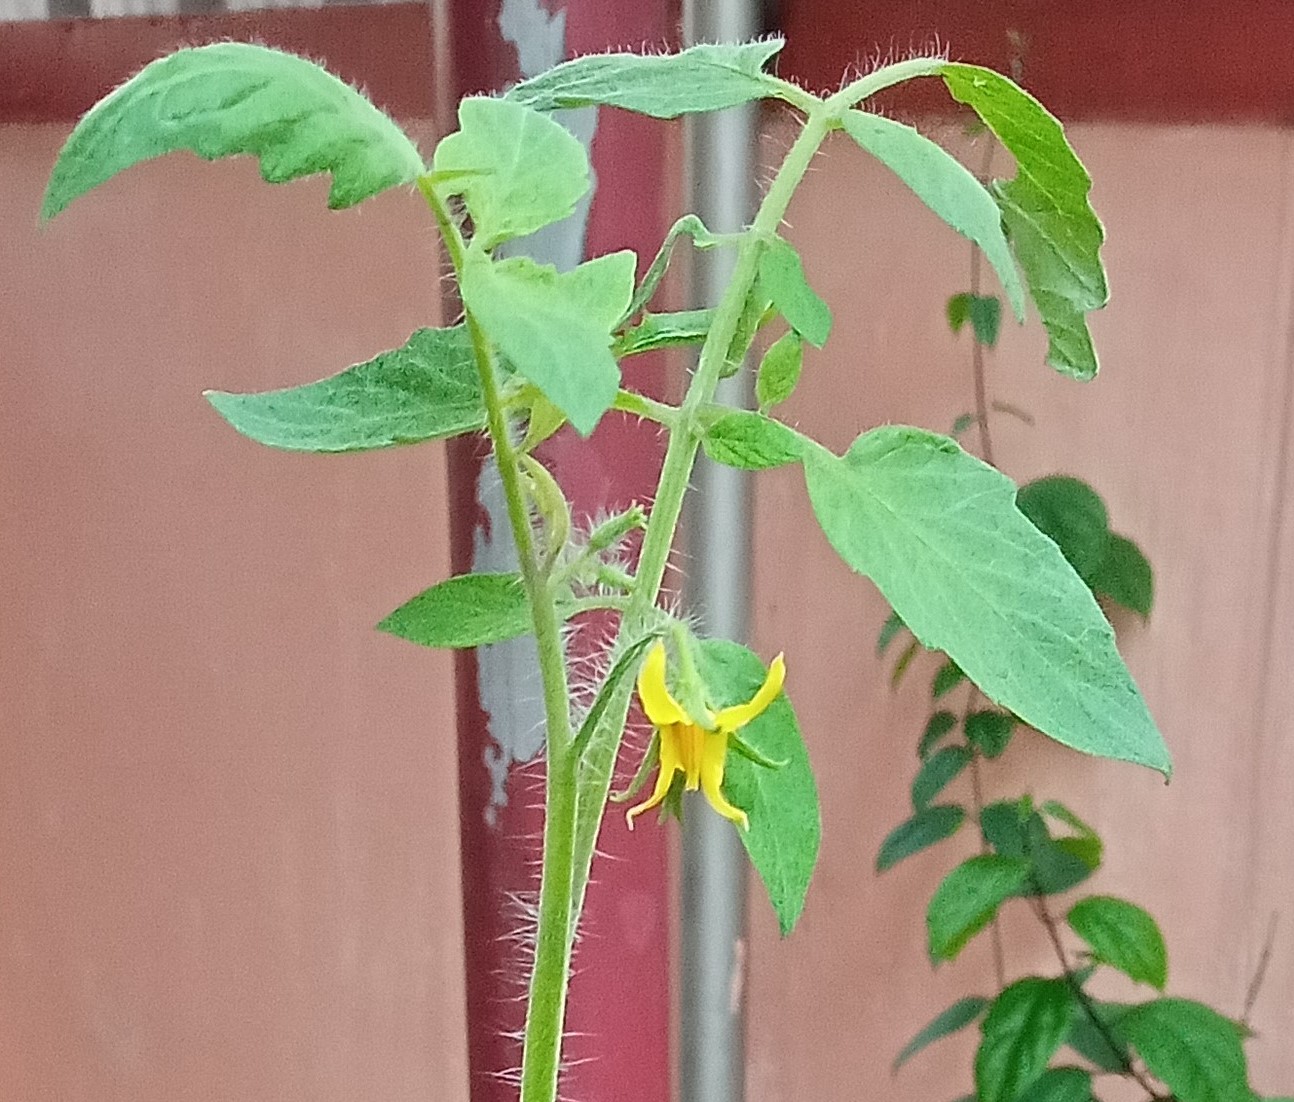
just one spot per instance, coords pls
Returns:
(619, 1012)
(712, 1043)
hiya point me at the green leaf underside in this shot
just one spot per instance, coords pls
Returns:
(968, 898)
(984, 312)
(938, 725)
(781, 274)
(939, 534)
(235, 98)
(945, 185)
(1054, 233)
(1125, 576)
(956, 1018)
(686, 327)
(752, 442)
(989, 732)
(1191, 1047)
(779, 370)
(926, 828)
(938, 771)
(1060, 1085)
(1072, 514)
(701, 78)
(782, 804)
(1092, 1043)
(517, 170)
(428, 389)
(1123, 936)
(467, 611)
(554, 329)
(1022, 1030)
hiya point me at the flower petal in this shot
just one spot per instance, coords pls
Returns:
(669, 764)
(661, 708)
(729, 719)
(712, 760)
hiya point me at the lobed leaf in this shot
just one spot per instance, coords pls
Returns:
(957, 1017)
(938, 532)
(428, 389)
(1191, 1047)
(700, 78)
(968, 898)
(1023, 1029)
(927, 827)
(781, 275)
(1123, 936)
(234, 98)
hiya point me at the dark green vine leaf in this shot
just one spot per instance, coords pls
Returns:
(1014, 829)
(1060, 1085)
(903, 662)
(1191, 1047)
(779, 370)
(946, 679)
(957, 1017)
(467, 611)
(230, 98)
(1072, 514)
(555, 329)
(937, 772)
(701, 78)
(428, 389)
(990, 732)
(892, 626)
(1123, 936)
(926, 828)
(517, 170)
(939, 534)
(968, 898)
(751, 441)
(1125, 576)
(1022, 1031)
(1054, 232)
(984, 312)
(1101, 1046)
(937, 726)
(674, 330)
(781, 274)
(945, 185)
(785, 823)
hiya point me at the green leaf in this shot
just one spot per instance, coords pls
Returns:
(555, 329)
(937, 726)
(1024, 1027)
(926, 828)
(782, 804)
(517, 170)
(428, 389)
(892, 626)
(957, 1017)
(1093, 1043)
(674, 330)
(984, 312)
(1072, 514)
(231, 98)
(939, 534)
(779, 370)
(946, 679)
(968, 898)
(702, 78)
(990, 732)
(945, 185)
(1123, 936)
(1014, 829)
(752, 442)
(1054, 232)
(689, 225)
(781, 273)
(467, 611)
(904, 661)
(1060, 1085)
(1124, 576)
(1191, 1047)
(626, 665)
(938, 771)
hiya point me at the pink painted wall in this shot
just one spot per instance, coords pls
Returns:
(1187, 435)
(228, 842)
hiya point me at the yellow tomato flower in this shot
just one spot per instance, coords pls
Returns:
(686, 746)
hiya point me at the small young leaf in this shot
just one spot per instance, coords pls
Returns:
(467, 611)
(675, 330)
(690, 226)
(781, 273)
(231, 98)
(701, 78)
(1101, 1046)
(1060, 1085)
(428, 389)
(946, 679)
(939, 534)
(957, 1017)
(968, 898)
(1024, 1027)
(990, 732)
(779, 370)
(626, 665)
(939, 770)
(1191, 1047)
(752, 442)
(945, 185)
(785, 824)
(937, 726)
(892, 626)
(984, 312)
(1125, 576)
(517, 170)
(1054, 232)
(904, 661)
(1123, 936)
(923, 830)
(961, 424)
(1072, 514)
(555, 329)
